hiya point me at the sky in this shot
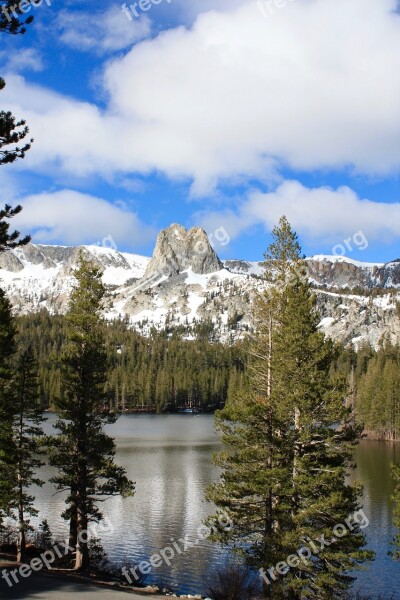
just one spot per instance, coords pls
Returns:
(224, 114)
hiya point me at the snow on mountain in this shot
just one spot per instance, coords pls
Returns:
(39, 276)
(185, 283)
(345, 259)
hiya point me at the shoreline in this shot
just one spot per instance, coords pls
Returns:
(367, 434)
(373, 436)
(66, 576)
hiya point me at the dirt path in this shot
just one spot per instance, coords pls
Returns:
(50, 587)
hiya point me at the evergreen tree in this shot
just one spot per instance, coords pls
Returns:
(19, 416)
(10, 240)
(378, 397)
(12, 132)
(7, 349)
(286, 460)
(83, 453)
(142, 374)
(27, 443)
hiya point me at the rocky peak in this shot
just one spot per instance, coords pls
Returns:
(178, 249)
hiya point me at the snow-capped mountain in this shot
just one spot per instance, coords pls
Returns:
(185, 283)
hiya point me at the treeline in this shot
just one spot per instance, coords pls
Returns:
(374, 378)
(163, 372)
(155, 373)
(370, 293)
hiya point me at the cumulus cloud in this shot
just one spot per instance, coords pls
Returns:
(320, 215)
(71, 217)
(316, 85)
(9, 186)
(101, 32)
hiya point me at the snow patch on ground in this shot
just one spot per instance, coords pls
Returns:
(326, 322)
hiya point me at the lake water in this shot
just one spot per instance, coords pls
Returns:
(169, 457)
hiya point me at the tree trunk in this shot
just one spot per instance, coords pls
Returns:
(82, 560)
(269, 380)
(73, 524)
(267, 588)
(21, 543)
(295, 460)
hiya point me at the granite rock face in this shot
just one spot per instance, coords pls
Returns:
(178, 250)
(341, 273)
(10, 262)
(185, 284)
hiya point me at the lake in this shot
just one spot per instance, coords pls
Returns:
(169, 457)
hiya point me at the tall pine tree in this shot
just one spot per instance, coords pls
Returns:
(7, 349)
(27, 433)
(83, 452)
(286, 461)
(12, 131)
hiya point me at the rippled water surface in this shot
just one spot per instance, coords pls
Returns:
(169, 457)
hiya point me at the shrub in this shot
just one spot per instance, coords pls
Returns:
(232, 582)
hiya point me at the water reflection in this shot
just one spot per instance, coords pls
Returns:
(169, 457)
(373, 470)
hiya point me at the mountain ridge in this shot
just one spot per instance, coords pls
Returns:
(185, 283)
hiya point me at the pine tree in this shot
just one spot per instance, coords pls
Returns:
(12, 132)
(378, 397)
(10, 240)
(27, 433)
(83, 453)
(286, 460)
(7, 349)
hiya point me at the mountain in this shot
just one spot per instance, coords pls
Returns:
(178, 249)
(185, 284)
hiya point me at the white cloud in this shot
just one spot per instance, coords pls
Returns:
(9, 186)
(320, 215)
(26, 59)
(101, 32)
(71, 217)
(316, 85)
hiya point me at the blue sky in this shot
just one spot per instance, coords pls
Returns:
(224, 114)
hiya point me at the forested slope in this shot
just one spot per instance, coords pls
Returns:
(163, 372)
(157, 373)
